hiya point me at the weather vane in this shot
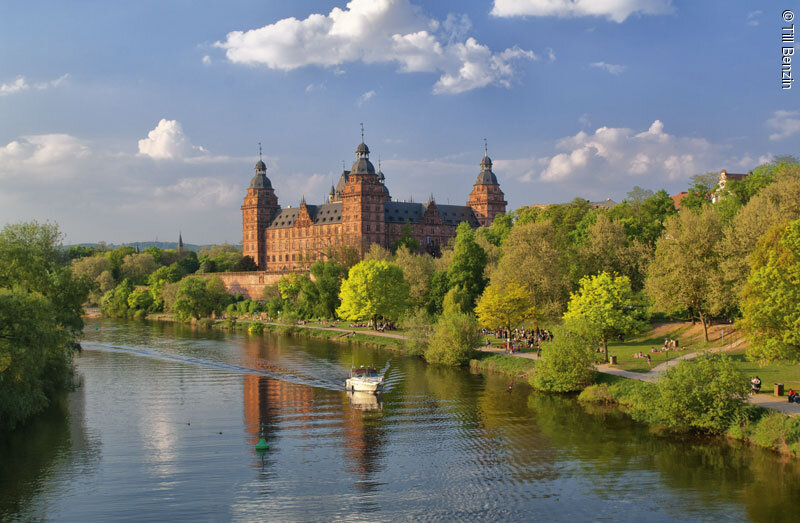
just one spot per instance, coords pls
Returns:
(259, 150)
(485, 147)
(362, 132)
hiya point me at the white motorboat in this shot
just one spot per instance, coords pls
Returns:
(364, 379)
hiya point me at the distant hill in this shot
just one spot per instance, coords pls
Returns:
(145, 245)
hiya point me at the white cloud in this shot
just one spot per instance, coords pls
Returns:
(610, 68)
(616, 153)
(42, 150)
(616, 10)
(167, 142)
(365, 98)
(753, 17)
(378, 31)
(784, 123)
(20, 84)
(206, 60)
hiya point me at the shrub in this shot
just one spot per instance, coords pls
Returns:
(597, 394)
(704, 394)
(418, 326)
(256, 328)
(230, 322)
(777, 431)
(205, 323)
(567, 363)
(454, 339)
(140, 314)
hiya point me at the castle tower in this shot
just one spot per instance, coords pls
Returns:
(362, 202)
(260, 205)
(486, 198)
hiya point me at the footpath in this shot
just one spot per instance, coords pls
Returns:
(764, 400)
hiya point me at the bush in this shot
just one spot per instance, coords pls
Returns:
(256, 328)
(140, 314)
(777, 431)
(597, 394)
(230, 323)
(567, 363)
(205, 323)
(705, 394)
(454, 339)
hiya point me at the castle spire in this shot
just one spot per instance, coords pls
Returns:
(180, 243)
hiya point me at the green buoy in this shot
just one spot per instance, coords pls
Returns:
(262, 445)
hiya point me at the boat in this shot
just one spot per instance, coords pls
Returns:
(365, 400)
(364, 379)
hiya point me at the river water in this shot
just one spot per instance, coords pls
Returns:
(164, 425)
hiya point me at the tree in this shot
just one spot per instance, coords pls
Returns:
(606, 249)
(771, 297)
(140, 300)
(197, 297)
(40, 318)
(328, 279)
(373, 288)
(454, 339)
(606, 303)
(116, 258)
(504, 307)
(245, 264)
(155, 252)
(417, 271)
(406, 239)
(567, 363)
(776, 203)
(137, 267)
(115, 302)
(685, 268)
(468, 264)
(75, 252)
(532, 258)
(376, 252)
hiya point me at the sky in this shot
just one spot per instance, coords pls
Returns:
(132, 121)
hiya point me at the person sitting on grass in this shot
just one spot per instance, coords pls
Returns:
(755, 384)
(792, 396)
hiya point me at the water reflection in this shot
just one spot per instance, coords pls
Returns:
(39, 454)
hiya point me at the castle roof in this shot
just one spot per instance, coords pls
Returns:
(260, 180)
(324, 214)
(486, 176)
(400, 212)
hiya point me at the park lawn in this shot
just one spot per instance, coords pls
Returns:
(625, 351)
(774, 372)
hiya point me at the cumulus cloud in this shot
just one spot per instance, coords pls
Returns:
(42, 150)
(20, 84)
(365, 97)
(615, 10)
(614, 153)
(378, 31)
(167, 142)
(784, 123)
(206, 60)
(610, 68)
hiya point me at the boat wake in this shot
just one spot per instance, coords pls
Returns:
(266, 371)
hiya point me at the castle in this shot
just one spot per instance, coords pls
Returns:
(359, 212)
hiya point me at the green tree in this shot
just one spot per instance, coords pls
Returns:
(417, 271)
(75, 252)
(606, 249)
(406, 239)
(771, 297)
(198, 297)
(137, 267)
(40, 318)
(454, 339)
(328, 279)
(115, 302)
(373, 289)
(440, 284)
(685, 267)
(567, 363)
(140, 300)
(116, 257)
(606, 303)
(532, 258)
(468, 264)
(245, 264)
(504, 307)
(155, 252)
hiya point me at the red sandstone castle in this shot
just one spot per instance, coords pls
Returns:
(359, 212)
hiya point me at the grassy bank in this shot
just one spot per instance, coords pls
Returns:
(504, 364)
(754, 425)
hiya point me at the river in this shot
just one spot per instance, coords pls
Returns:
(164, 425)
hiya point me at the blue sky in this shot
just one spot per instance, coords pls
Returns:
(128, 121)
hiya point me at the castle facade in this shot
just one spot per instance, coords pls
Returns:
(359, 212)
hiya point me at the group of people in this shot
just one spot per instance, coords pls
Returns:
(516, 339)
(641, 355)
(382, 325)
